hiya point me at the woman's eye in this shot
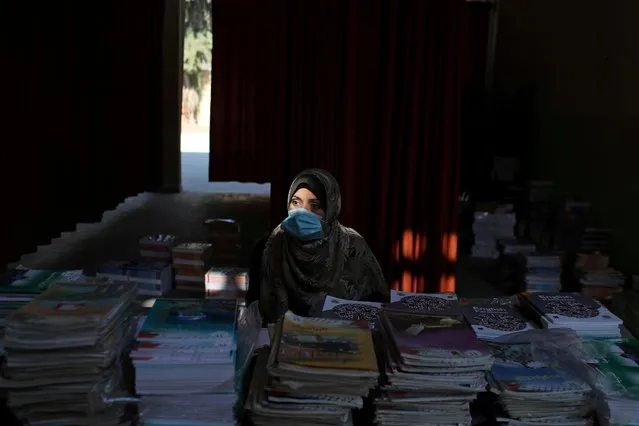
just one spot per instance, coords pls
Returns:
(294, 202)
(316, 207)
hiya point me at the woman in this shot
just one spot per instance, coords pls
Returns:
(311, 255)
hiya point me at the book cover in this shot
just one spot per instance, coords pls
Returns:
(184, 317)
(73, 301)
(326, 343)
(570, 307)
(433, 303)
(431, 335)
(495, 320)
(521, 378)
(351, 310)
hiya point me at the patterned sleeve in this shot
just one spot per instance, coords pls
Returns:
(364, 264)
(273, 296)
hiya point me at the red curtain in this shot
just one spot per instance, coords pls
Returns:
(369, 90)
(82, 121)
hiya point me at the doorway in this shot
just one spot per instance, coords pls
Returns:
(196, 105)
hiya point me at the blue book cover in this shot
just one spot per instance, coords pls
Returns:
(187, 317)
(521, 378)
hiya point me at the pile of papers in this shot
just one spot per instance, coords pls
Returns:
(617, 368)
(63, 354)
(587, 317)
(490, 227)
(534, 393)
(543, 272)
(317, 371)
(434, 367)
(185, 353)
(150, 278)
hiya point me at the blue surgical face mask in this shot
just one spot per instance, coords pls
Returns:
(303, 225)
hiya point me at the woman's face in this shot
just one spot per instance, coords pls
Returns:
(305, 199)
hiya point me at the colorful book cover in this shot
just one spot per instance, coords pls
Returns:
(431, 335)
(71, 301)
(326, 343)
(187, 317)
(520, 378)
(34, 281)
(618, 365)
(495, 320)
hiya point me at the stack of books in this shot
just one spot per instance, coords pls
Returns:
(534, 393)
(191, 262)
(150, 278)
(601, 283)
(543, 272)
(434, 367)
(513, 246)
(157, 248)
(617, 371)
(19, 286)
(185, 354)
(318, 370)
(587, 317)
(229, 282)
(494, 322)
(63, 354)
(226, 239)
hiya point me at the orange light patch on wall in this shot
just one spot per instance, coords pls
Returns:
(447, 284)
(449, 247)
(411, 248)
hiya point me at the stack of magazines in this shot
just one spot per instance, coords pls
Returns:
(434, 367)
(616, 367)
(318, 370)
(63, 354)
(185, 362)
(533, 393)
(587, 317)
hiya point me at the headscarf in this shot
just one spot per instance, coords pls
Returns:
(298, 275)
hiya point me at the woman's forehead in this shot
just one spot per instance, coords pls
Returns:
(305, 194)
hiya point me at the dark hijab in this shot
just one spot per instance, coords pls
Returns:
(297, 275)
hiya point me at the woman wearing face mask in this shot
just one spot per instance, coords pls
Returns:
(311, 255)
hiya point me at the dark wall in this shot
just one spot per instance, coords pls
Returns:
(574, 64)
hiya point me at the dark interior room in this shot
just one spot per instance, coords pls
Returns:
(448, 146)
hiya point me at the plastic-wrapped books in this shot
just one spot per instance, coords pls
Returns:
(187, 349)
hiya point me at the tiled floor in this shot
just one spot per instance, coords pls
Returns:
(116, 237)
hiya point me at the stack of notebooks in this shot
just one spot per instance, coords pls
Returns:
(185, 354)
(587, 317)
(318, 370)
(533, 393)
(542, 272)
(617, 372)
(494, 322)
(434, 367)
(63, 354)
